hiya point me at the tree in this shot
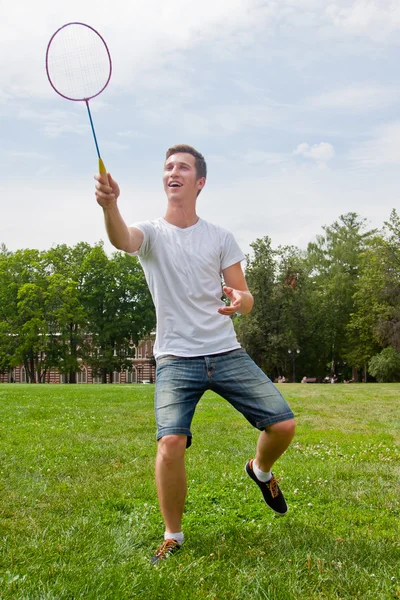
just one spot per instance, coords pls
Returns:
(278, 280)
(385, 366)
(369, 309)
(7, 309)
(388, 327)
(375, 322)
(66, 305)
(335, 261)
(119, 308)
(71, 344)
(255, 329)
(22, 289)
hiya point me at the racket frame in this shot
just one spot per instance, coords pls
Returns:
(102, 168)
(47, 62)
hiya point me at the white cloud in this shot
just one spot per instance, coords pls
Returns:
(33, 156)
(289, 202)
(141, 36)
(256, 85)
(265, 158)
(152, 36)
(383, 149)
(358, 98)
(321, 153)
(377, 19)
(114, 146)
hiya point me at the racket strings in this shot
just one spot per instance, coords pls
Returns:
(78, 62)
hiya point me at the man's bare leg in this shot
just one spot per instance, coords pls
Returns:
(171, 480)
(273, 442)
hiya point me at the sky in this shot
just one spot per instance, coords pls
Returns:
(295, 105)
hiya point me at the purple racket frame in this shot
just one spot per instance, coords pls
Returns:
(47, 62)
(102, 168)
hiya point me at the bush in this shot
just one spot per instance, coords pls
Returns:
(385, 367)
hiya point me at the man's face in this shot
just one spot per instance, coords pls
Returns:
(180, 177)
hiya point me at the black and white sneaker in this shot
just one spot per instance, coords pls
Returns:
(270, 490)
(165, 550)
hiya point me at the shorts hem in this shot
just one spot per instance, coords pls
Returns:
(273, 420)
(173, 431)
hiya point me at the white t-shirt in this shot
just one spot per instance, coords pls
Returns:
(183, 271)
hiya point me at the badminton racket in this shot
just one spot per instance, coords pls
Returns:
(78, 66)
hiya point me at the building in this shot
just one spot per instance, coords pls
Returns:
(143, 370)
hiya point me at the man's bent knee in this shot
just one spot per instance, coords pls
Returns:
(172, 446)
(284, 428)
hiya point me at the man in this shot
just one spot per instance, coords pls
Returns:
(184, 258)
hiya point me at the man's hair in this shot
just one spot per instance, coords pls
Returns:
(201, 167)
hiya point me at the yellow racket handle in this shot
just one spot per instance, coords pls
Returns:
(102, 169)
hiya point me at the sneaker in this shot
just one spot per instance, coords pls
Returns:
(270, 490)
(167, 548)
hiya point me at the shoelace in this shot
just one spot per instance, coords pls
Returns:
(273, 486)
(165, 547)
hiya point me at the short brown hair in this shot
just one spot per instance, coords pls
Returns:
(201, 166)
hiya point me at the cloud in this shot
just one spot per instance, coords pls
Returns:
(28, 155)
(141, 36)
(377, 19)
(255, 85)
(56, 122)
(265, 158)
(115, 146)
(361, 97)
(150, 38)
(321, 153)
(382, 149)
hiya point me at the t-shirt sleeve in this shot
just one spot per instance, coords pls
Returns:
(230, 251)
(148, 230)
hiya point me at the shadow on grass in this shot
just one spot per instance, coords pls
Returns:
(284, 560)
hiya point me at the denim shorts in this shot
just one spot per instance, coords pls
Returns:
(233, 375)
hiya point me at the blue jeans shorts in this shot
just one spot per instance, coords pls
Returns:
(180, 383)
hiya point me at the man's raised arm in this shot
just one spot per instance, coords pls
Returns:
(128, 239)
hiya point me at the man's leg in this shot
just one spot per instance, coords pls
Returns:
(171, 490)
(171, 479)
(237, 378)
(273, 442)
(180, 385)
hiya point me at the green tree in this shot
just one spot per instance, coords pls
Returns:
(71, 342)
(334, 260)
(119, 308)
(300, 314)
(369, 309)
(255, 329)
(375, 322)
(22, 289)
(66, 305)
(388, 328)
(7, 310)
(32, 348)
(385, 366)
(279, 321)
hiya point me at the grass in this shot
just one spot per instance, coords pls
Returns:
(79, 515)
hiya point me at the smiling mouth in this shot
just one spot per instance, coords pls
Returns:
(175, 184)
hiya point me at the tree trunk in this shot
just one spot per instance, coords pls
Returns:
(365, 374)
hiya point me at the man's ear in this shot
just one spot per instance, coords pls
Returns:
(201, 183)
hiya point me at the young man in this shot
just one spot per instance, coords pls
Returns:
(184, 258)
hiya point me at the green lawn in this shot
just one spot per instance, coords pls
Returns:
(79, 515)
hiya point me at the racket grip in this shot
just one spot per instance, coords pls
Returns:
(102, 169)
